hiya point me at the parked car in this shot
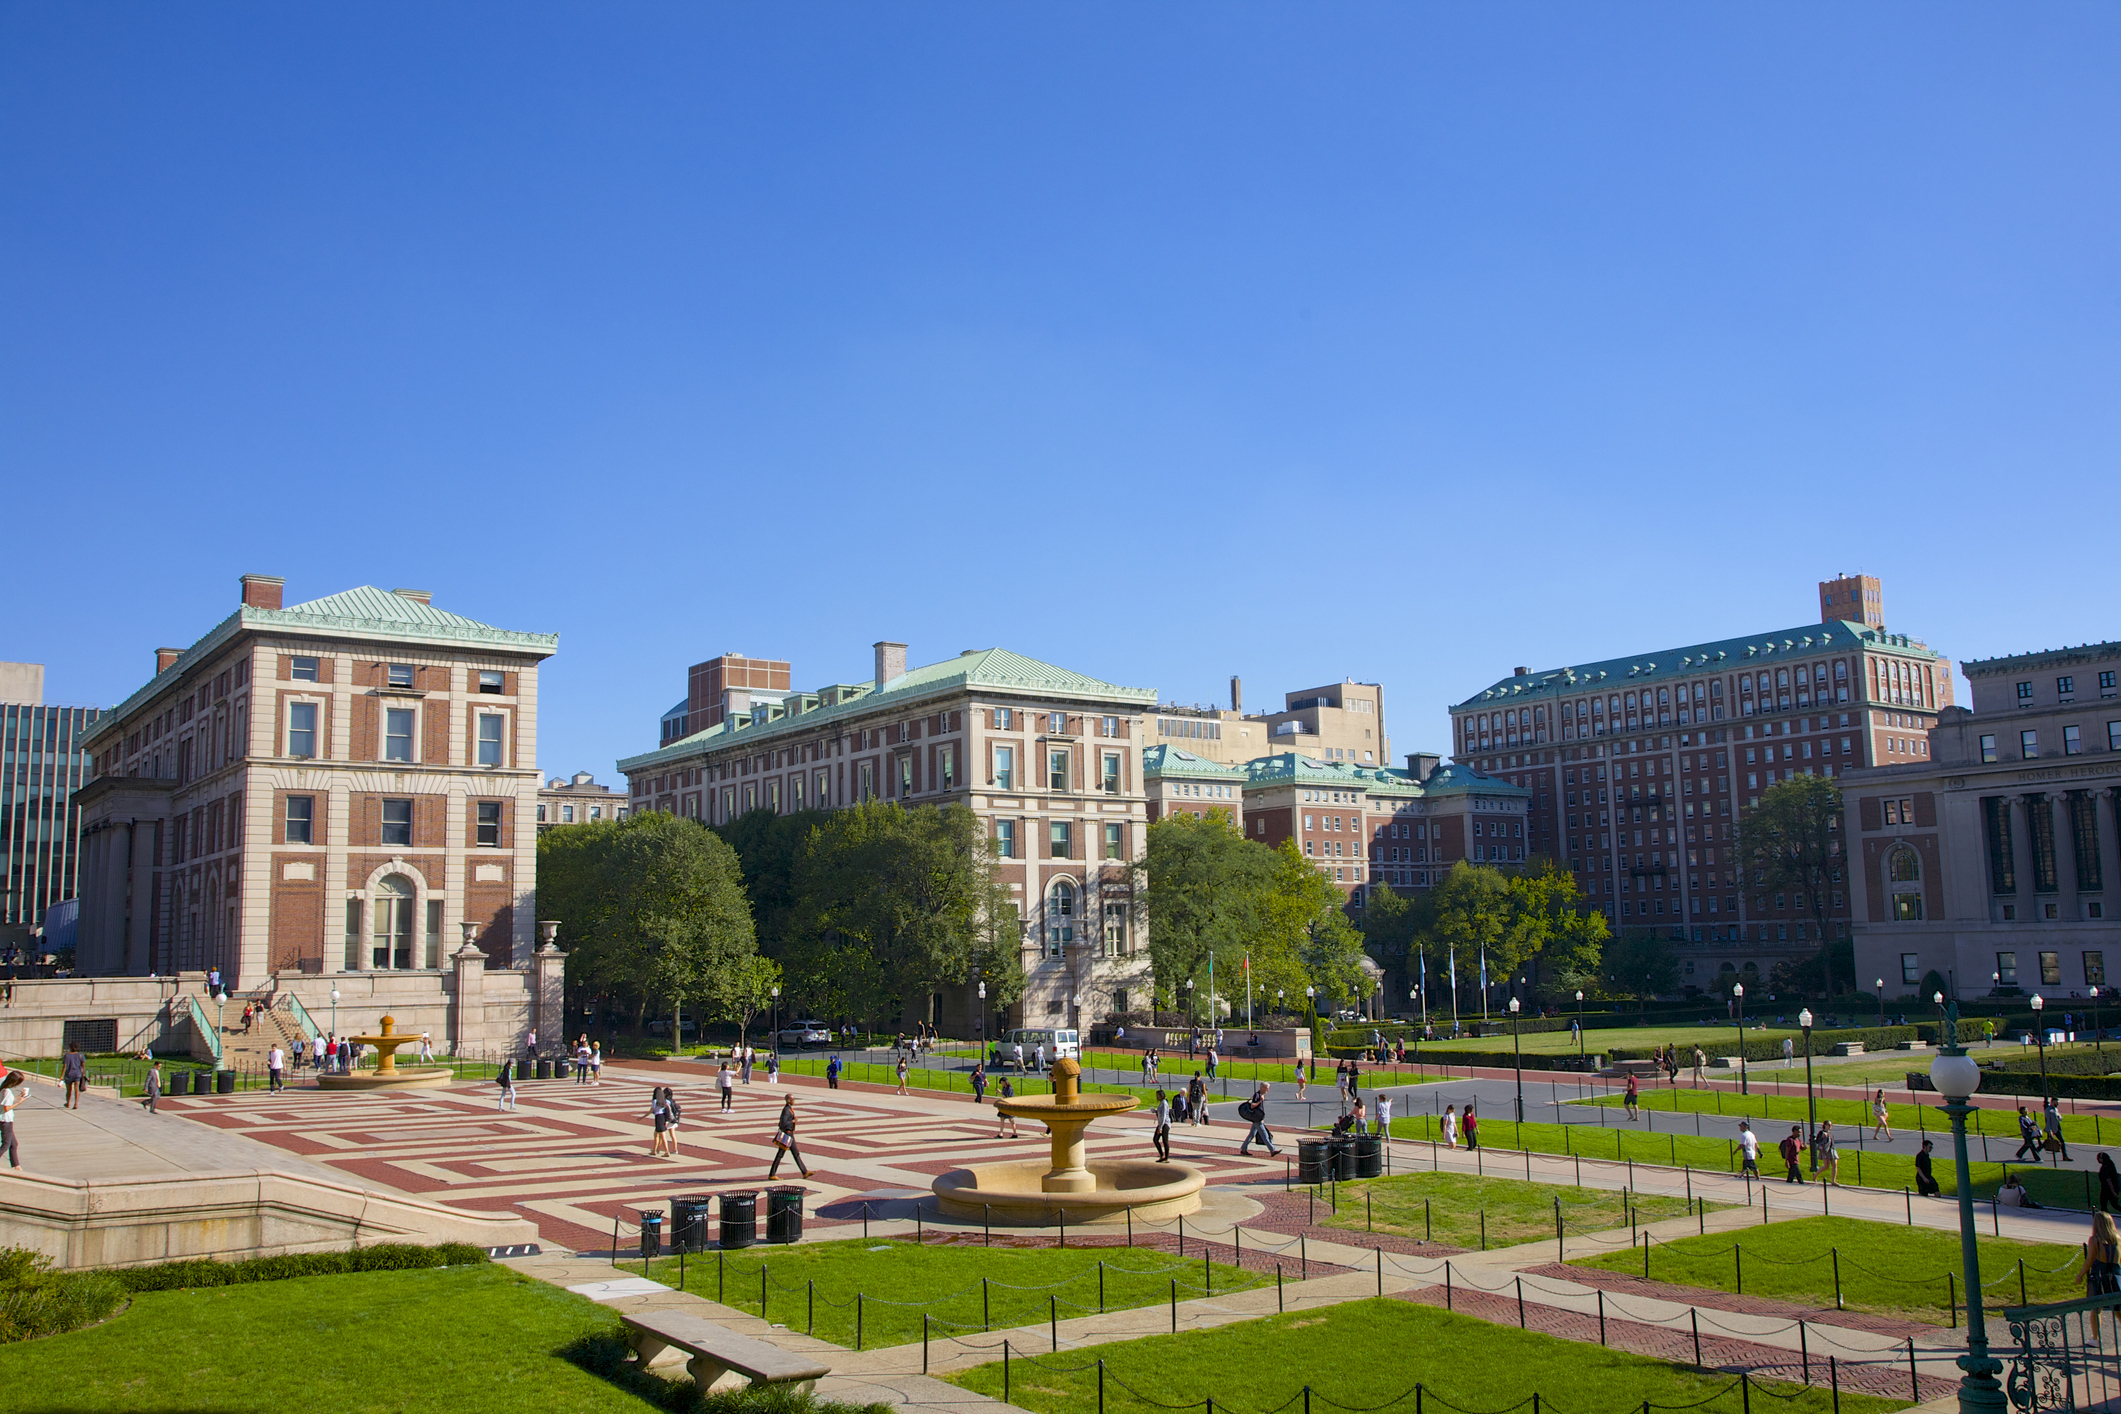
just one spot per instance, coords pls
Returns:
(804, 1033)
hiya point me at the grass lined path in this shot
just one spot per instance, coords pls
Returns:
(1460, 1210)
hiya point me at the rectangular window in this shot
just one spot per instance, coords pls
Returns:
(2072, 741)
(1003, 718)
(400, 675)
(397, 734)
(1907, 908)
(397, 822)
(2050, 969)
(2064, 686)
(301, 818)
(567, 814)
(1056, 723)
(1111, 773)
(541, 812)
(867, 777)
(2025, 692)
(1112, 842)
(489, 738)
(2040, 825)
(1005, 839)
(489, 824)
(1057, 770)
(946, 766)
(2095, 968)
(905, 776)
(2029, 745)
(1004, 768)
(301, 729)
(1911, 968)
(492, 682)
(1115, 930)
(302, 669)
(2006, 969)
(1988, 746)
(1111, 726)
(1061, 839)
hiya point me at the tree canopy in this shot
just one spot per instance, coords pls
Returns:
(1790, 843)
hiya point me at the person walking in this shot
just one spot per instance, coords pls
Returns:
(979, 1083)
(1340, 1087)
(1789, 1051)
(773, 1067)
(1161, 1134)
(676, 1113)
(1792, 1148)
(1749, 1149)
(152, 1090)
(1881, 1117)
(1197, 1099)
(744, 1066)
(1472, 1125)
(1381, 1126)
(784, 1146)
(1925, 1177)
(832, 1073)
(1701, 1061)
(1450, 1126)
(13, 1086)
(2052, 1118)
(2102, 1265)
(275, 1069)
(2109, 1185)
(1301, 1079)
(725, 1081)
(1826, 1157)
(596, 1062)
(901, 1076)
(505, 1078)
(659, 1115)
(2028, 1136)
(74, 1071)
(1213, 1057)
(1254, 1112)
(581, 1060)
(1005, 1124)
(316, 1058)
(1632, 1098)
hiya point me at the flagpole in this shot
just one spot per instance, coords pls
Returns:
(1483, 981)
(1248, 989)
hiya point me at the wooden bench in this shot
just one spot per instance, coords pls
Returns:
(721, 1359)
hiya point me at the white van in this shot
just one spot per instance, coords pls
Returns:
(1058, 1043)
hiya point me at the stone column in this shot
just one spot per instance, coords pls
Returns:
(2021, 855)
(468, 1020)
(549, 1000)
(2065, 844)
(2103, 810)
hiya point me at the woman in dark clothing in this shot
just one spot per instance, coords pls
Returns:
(2109, 1185)
(1925, 1181)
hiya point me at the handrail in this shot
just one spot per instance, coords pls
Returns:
(301, 1016)
(201, 1026)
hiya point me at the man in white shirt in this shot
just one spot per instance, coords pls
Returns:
(1749, 1145)
(275, 1059)
(1382, 1125)
(317, 1054)
(12, 1086)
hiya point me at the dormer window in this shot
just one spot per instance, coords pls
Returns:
(302, 669)
(400, 675)
(492, 682)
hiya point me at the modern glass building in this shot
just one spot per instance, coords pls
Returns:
(41, 766)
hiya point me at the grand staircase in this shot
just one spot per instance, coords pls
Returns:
(247, 1050)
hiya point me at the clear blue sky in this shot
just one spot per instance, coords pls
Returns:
(1403, 342)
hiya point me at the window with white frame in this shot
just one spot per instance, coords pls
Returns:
(489, 824)
(397, 822)
(491, 727)
(397, 734)
(302, 729)
(301, 819)
(492, 682)
(400, 675)
(302, 669)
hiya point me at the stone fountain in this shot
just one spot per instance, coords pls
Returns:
(388, 1074)
(1071, 1182)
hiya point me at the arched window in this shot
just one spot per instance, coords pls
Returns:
(1060, 917)
(1902, 866)
(392, 932)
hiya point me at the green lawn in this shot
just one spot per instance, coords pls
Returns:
(454, 1340)
(1501, 1140)
(1911, 1272)
(1850, 1115)
(128, 1071)
(1462, 1210)
(1713, 1040)
(1367, 1354)
(961, 1287)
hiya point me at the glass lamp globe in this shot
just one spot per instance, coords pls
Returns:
(1513, 1006)
(1804, 1018)
(2039, 1003)
(1955, 1077)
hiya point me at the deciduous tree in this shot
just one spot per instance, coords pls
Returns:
(1791, 843)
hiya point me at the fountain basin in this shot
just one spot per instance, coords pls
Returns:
(401, 1077)
(1013, 1192)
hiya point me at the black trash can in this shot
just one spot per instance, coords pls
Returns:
(561, 1069)
(1369, 1156)
(651, 1232)
(1311, 1161)
(740, 1218)
(1341, 1163)
(179, 1081)
(784, 1215)
(688, 1222)
(224, 1082)
(544, 1068)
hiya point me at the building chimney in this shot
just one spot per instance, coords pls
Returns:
(1422, 764)
(262, 591)
(890, 663)
(1237, 694)
(164, 657)
(418, 596)
(1518, 672)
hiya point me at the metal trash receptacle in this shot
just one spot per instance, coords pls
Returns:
(740, 1218)
(562, 1068)
(651, 1232)
(179, 1082)
(689, 1218)
(224, 1082)
(1341, 1164)
(544, 1068)
(784, 1215)
(1369, 1156)
(1311, 1161)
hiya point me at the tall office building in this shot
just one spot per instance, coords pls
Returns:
(41, 764)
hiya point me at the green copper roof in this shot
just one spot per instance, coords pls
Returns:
(1293, 768)
(364, 613)
(1729, 655)
(976, 670)
(1166, 762)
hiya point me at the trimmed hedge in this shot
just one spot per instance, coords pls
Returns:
(2078, 1087)
(2068, 1063)
(383, 1257)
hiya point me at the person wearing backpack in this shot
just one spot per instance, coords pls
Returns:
(1161, 1135)
(670, 1103)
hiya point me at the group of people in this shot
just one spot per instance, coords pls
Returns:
(1453, 1125)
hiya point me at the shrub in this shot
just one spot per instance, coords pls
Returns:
(35, 1300)
(383, 1257)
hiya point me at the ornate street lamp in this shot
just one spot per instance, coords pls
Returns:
(1881, 1001)
(1517, 1045)
(335, 1013)
(1190, 1016)
(1738, 1011)
(1579, 1023)
(2040, 1035)
(1956, 1077)
(776, 1021)
(1811, 1112)
(983, 1015)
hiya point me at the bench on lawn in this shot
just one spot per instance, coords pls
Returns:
(721, 1359)
(1848, 1048)
(1726, 1063)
